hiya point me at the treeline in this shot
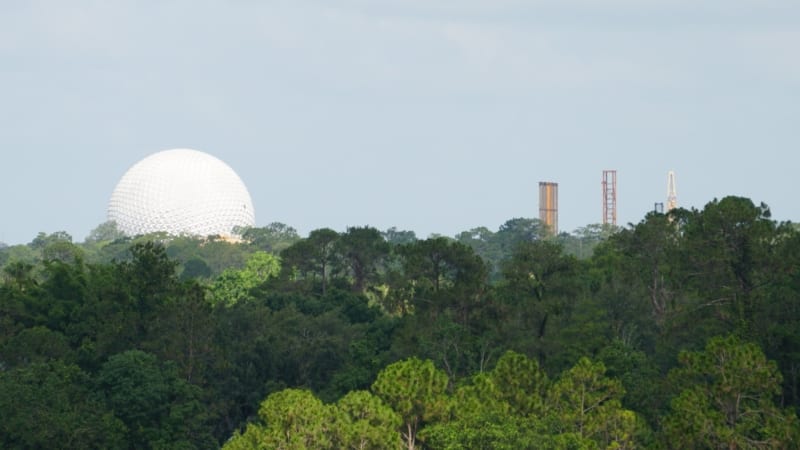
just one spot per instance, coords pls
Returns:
(682, 331)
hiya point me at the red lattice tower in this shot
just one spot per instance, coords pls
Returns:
(609, 197)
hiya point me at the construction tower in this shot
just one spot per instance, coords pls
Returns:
(609, 197)
(672, 195)
(548, 206)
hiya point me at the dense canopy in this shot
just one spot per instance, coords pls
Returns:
(682, 331)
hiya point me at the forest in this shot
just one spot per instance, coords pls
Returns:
(679, 332)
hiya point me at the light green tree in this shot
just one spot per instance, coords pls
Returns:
(728, 400)
(104, 233)
(416, 390)
(234, 285)
(481, 414)
(583, 405)
(295, 419)
(520, 382)
(291, 419)
(364, 421)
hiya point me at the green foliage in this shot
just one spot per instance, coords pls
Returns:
(520, 383)
(296, 419)
(292, 419)
(436, 265)
(106, 232)
(445, 285)
(235, 285)
(494, 410)
(444, 293)
(217, 254)
(164, 341)
(158, 408)
(416, 390)
(183, 333)
(362, 251)
(484, 431)
(639, 376)
(19, 276)
(48, 404)
(363, 421)
(35, 345)
(650, 265)
(272, 238)
(727, 400)
(727, 265)
(42, 240)
(195, 268)
(314, 256)
(496, 247)
(397, 237)
(584, 240)
(541, 290)
(584, 403)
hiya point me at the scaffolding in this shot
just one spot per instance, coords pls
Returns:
(609, 197)
(548, 206)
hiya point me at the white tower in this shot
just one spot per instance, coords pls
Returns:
(672, 196)
(609, 184)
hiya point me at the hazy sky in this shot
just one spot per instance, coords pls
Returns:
(433, 116)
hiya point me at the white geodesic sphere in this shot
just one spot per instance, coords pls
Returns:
(181, 191)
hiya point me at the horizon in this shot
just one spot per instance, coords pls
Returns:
(494, 229)
(435, 118)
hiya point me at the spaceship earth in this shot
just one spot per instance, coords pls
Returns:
(181, 191)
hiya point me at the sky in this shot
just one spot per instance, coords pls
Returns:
(435, 116)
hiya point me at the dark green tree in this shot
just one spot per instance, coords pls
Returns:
(445, 285)
(541, 287)
(104, 233)
(37, 344)
(273, 238)
(517, 231)
(363, 252)
(399, 237)
(314, 256)
(195, 268)
(730, 247)
(158, 408)
(50, 404)
(150, 277)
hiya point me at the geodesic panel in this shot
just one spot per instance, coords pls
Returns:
(181, 191)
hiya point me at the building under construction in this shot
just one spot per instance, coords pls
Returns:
(548, 206)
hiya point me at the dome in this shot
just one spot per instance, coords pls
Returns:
(180, 191)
